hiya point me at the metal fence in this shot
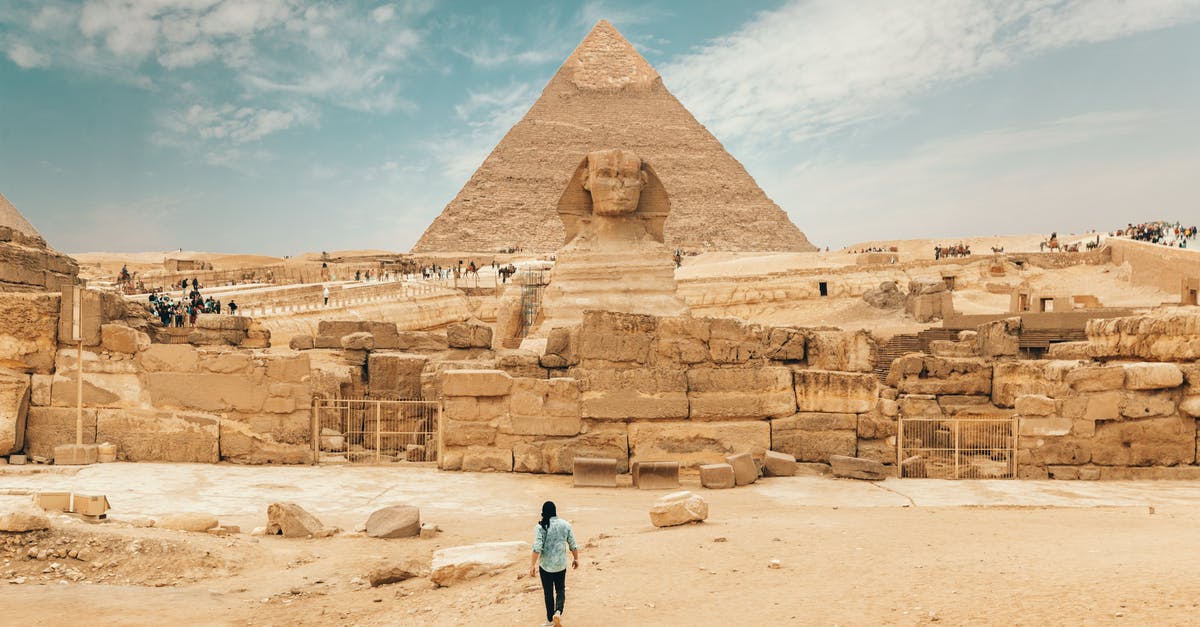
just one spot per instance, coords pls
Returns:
(957, 448)
(375, 431)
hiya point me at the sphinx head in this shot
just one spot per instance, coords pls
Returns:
(615, 179)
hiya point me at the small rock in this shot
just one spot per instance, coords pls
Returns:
(775, 564)
(188, 521)
(393, 573)
(292, 521)
(678, 508)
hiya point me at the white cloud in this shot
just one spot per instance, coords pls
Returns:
(487, 116)
(26, 57)
(230, 124)
(383, 13)
(812, 67)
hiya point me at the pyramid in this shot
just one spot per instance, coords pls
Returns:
(606, 95)
(10, 217)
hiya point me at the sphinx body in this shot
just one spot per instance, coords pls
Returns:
(614, 258)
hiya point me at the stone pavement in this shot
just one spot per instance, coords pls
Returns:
(344, 496)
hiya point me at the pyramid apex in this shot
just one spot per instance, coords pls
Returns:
(606, 61)
(12, 218)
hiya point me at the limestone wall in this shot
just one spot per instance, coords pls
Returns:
(632, 387)
(1151, 264)
(27, 264)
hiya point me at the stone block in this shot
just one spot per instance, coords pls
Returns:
(416, 342)
(459, 563)
(633, 394)
(559, 397)
(1096, 378)
(279, 405)
(226, 362)
(813, 437)
(542, 425)
(20, 516)
(476, 383)
(149, 435)
(292, 521)
(301, 343)
(1150, 376)
(881, 450)
(75, 454)
(487, 459)
(1017, 378)
(1036, 405)
(1167, 441)
(857, 468)
(848, 351)
(455, 433)
(15, 394)
(1191, 406)
(48, 427)
(187, 521)
(728, 393)
(359, 341)
(520, 363)
(241, 444)
(396, 374)
(1149, 404)
(206, 391)
(1044, 451)
(122, 339)
(776, 464)
(999, 338)
(288, 368)
(873, 427)
(827, 391)
(327, 341)
(613, 337)
(679, 508)
(223, 322)
(169, 358)
(692, 444)
(604, 440)
(469, 334)
(29, 330)
(1041, 426)
(926, 374)
(784, 344)
(395, 521)
(745, 472)
(593, 472)
(717, 476)
(919, 406)
(99, 390)
(655, 475)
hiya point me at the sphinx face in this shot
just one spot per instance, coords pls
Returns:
(615, 179)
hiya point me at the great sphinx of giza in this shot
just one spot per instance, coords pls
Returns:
(613, 257)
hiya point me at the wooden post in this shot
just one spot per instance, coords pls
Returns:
(957, 433)
(378, 428)
(900, 447)
(77, 330)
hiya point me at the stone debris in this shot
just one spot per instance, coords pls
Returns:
(678, 508)
(857, 468)
(392, 573)
(397, 521)
(717, 476)
(776, 464)
(745, 472)
(429, 530)
(887, 296)
(292, 521)
(188, 521)
(460, 563)
(20, 515)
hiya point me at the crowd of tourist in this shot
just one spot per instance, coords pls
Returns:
(870, 249)
(1159, 232)
(183, 312)
(957, 250)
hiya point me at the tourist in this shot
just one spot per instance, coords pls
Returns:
(325, 293)
(551, 539)
(232, 308)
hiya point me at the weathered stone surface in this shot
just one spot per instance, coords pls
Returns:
(1043, 451)
(849, 351)
(919, 406)
(559, 397)
(723, 394)
(122, 339)
(292, 521)
(827, 391)
(1172, 335)
(520, 363)
(633, 394)
(1152, 376)
(456, 433)
(14, 411)
(226, 362)
(392, 573)
(187, 521)
(241, 444)
(396, 374)
(856, 468)
(28, 331)
(169, 358)
(48, 427)
(1043, 427)
(487, 459)
(1035, 405)
(416, 342)
(594, 472)
(778, 464)
(301, 343)
(1148, 404)
(784, 344)
(459, 563)
(608, 440)
(1191, 406)
(949, 348)
(745, 471)
(1016, 378)
(886, 296)
(21, 515)
(469, 334)
(1165, 441)
(655, 475)
(1096, 378)
(396, 521)
(476, 383)
(926, 374)
(692, 444)
(999, 338)
(151, 435)
(616, 337)
(875, 427)
(678, 508)
(359, 341)
(205, 391)
(717, 476)
(1068, 350)
(812, 445)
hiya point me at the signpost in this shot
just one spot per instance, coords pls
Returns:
(77, 453)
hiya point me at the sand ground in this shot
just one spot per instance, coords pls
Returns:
(855, 553)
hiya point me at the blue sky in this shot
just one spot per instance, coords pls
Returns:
(284, 126)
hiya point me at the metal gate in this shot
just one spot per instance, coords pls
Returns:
(957, 448)
(375, 431)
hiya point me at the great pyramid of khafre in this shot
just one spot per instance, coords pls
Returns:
(10, 217)
(606, 95)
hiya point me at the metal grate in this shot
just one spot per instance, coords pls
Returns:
(957, 448)
(533, 283)
(375, 431)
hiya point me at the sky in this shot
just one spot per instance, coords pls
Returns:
(286, 126)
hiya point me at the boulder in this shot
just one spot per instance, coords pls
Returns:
(397, 521)
(678, 508)
(857, 468)
(777, 464)
(187, 521)
(20, 515)
(717, 476)
(392, 573)
(1152, 376)
(887, 296)
(460, 563)
(745, 471)
(292, 521)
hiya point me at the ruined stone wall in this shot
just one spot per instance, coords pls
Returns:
(27, 264)
(1151, 264)
(633, 387)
